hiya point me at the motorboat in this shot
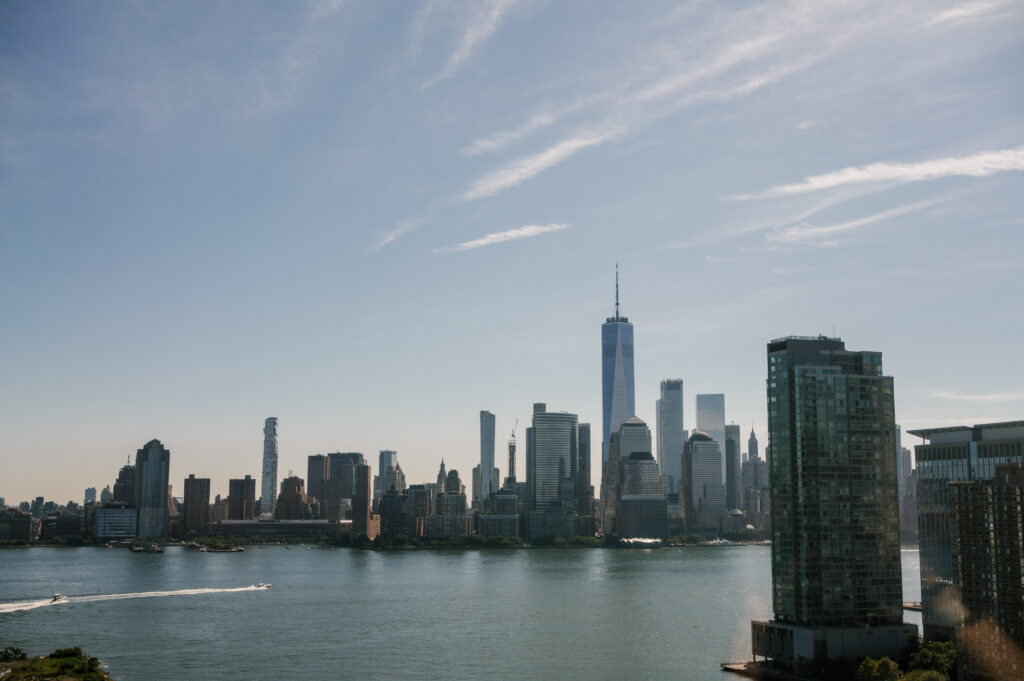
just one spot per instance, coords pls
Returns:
(57, 598)
(263, 586)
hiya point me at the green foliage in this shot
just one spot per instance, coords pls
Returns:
(878, 670)
(925, 675)
(744, 535)
(11, 653)
(67, 652)
(362, 541)
(578, 540)
(937, 656)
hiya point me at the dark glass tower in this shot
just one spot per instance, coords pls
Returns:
(837, 586)
(152, 468)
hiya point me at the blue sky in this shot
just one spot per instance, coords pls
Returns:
(372, 220)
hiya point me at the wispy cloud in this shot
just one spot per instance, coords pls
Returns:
(976, 165)
(507, 235)
(481, 26)
(803, 232)
(969, 11)
(982, 397)
(523, 169)
(403, 228)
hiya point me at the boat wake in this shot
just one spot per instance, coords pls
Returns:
(19, 606)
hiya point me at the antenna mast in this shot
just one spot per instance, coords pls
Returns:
(616, 291)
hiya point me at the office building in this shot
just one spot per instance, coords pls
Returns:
(989, 519)
(117, 521)
(617, 395)
(641, 499)
(552, 451)
(90, 496)
(318, 473)
(733, 477)
(388, 474)
(669, 410)
(952, 454)
(242, 498)
(197, 505)
(124, 486)
(584, 487)
(151, 488)
(293, 504)
(489, 475)
(632, 437)
(837, 588)
(341, 486)
(704, 497)
(711, 420)
(752, 452)
(106, 496)
(451, 519)
(364, 521)
(269, 486)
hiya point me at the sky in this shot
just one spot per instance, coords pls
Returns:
(373, 220)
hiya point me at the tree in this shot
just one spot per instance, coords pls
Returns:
(925, 675)
(878, 670)
(939, 656)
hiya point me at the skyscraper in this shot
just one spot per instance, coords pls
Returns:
(952, 454)
(733, 481)
(318, 473)
(616, 372)
(552, 449)
(197, 505)
(90, 496)
(752, 445)
(669, 410)
(269, 487)
(632, 437)
(711, 420)
(488, 473)
(388, 458)
(702, 497)
(242, 498)
(641, 498)
(152, 470)
(584, 494)
(837, 587)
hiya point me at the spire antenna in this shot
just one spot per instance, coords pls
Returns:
(616, 290)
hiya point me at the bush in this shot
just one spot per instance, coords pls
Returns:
(67, 652)
(925, 675)
(939, 656)
(11, 653)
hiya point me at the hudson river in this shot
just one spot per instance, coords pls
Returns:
(347, 614)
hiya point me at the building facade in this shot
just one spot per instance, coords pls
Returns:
(552, 456)
(641, 499)
(952, 454)
(733, 478)
(837, 587)
(989, 519)
(242, 498)
(669, 412)
(711, 420)
(197, 505)
(152, 469)
(489, 480)
(617, 390)
(268, 490)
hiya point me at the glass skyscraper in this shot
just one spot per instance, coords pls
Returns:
(669, 410)
(952, 454)
(488, 473)
(552, 449)
(711, 420)
(269, 487)
(616, 372)
(152, 471)
(837, 586)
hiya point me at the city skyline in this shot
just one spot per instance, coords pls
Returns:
(375, 221)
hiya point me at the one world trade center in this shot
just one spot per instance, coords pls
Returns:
(616, 372)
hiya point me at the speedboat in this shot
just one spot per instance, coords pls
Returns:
(58, 597)
(261, 585)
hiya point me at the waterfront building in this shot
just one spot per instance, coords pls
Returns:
(451, 519)
(669, 411)
(293, 504)
(274, 529)
(489, 475)
(552, 451)
(318, 473)
(364, 521)
(219, 509)
(117, 520)
(733, 478)
(617, 390)
(242, 498)
(837, 587)
(631, 437)
(90, 497)
(989, 518)
(269, 486)
(152, 488)
(952, 454)
(106, 496)
(584, 488)
(641, 499)
(341, 485)
(16, 524)
(711, 420)
(197, 505)
(702, 501)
